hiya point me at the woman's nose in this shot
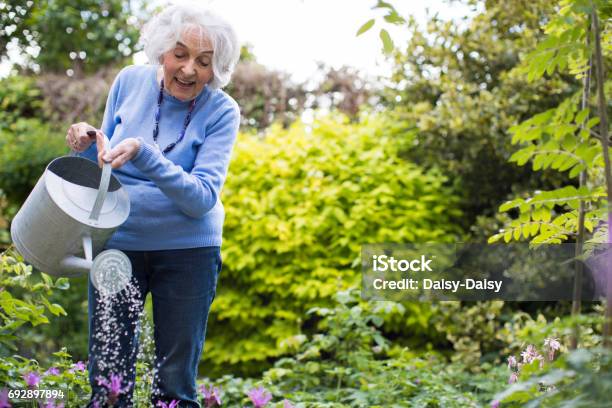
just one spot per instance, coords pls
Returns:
(189, 68)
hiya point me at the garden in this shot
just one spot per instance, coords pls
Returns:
(491, 129)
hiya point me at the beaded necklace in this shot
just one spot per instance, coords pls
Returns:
(160, 99)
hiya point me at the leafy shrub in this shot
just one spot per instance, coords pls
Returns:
(24, 302)
(348, 363)
(580, 379)
(23, 299)
(20, 98)
(300, 203)
(26, 148)
(473, 329)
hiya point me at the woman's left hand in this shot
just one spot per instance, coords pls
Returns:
(120, 154)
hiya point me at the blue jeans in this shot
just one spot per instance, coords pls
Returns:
(183, 285)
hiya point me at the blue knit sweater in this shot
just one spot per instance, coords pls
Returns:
(175, 199)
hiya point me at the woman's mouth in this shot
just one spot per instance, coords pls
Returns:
(184, 84)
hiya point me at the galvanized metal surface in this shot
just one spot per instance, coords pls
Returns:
(54, 227)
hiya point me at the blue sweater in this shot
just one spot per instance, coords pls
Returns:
(175, 199)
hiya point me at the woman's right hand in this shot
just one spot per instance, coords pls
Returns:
(80, 136)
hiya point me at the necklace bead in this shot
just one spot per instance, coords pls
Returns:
(160, 99)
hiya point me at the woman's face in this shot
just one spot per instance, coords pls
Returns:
(188, 66)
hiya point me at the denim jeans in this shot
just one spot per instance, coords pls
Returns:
(182, 284)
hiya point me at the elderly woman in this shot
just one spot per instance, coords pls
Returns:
(171, 131)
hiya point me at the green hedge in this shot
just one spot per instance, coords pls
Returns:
(299, 204)
(26, 148)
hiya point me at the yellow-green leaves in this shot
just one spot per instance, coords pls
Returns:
(386, 40)
(391, 17)
(299, 204)
(564, 46)
(369, 24)
(549, 216)
(559, 139)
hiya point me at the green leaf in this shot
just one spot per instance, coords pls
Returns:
(47, 279)
(394, 18)
(581, 116)
(386, 40)
(369, 24)
(62, 283)
(592, 122)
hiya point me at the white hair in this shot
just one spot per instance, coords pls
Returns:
(166, 28)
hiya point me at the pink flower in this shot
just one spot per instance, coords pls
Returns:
(78, 366)
(52, 371)
(113, 386)
(511, 362)
(495, 404)
(4, 402)
(259, 397)
(173, 404)
(32, 379)
(212, 396)
(287, 404)
(541, 359)
(530, 354)
(552, 345)
(513, 378)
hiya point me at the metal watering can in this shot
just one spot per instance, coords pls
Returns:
(67, 219)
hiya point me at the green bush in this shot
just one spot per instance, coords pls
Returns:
(26, 147)
(23, 304)
(300, 203)
(579, 379)
(348, 363)
(23, 299)
(20, 98)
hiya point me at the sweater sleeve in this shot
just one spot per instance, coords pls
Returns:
(195, 192)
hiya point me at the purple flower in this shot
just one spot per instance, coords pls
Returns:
(287, 404)
(113, 386)
(259, 397)
(52, 371)
(511, 362)
(552, 345)
(4, 402)
(495, 404)
(78, 366)
(212, 396)
(32, 379)
(513, 378)
(530, 354)
(172, 404)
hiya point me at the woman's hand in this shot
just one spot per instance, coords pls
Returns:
(80, 136)
(120, 154)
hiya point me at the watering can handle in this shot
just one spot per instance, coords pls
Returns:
(103, 188)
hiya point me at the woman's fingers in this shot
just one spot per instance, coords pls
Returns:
(121, 159)
(101, 146)
(79, 136)
(119, 155)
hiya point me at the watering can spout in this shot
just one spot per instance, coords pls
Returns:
(75, 266)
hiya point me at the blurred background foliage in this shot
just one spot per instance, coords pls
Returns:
(422, 156)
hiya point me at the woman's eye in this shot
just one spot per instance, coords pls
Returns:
(202, 63)
(179, 55)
